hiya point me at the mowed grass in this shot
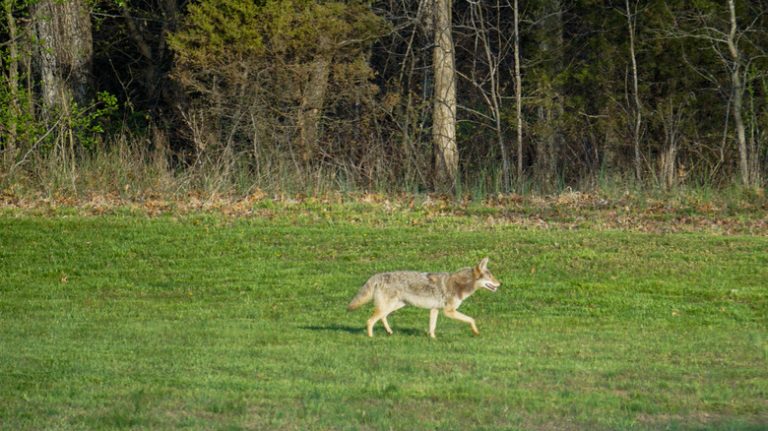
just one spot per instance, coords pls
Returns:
(210, 322)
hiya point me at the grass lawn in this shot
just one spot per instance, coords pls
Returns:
(204, 321)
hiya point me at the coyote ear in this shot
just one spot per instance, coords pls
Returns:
(483, 265)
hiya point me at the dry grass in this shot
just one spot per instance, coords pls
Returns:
(130, 176)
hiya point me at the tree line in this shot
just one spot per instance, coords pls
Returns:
(499, 95)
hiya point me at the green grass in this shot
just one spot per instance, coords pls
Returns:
(208, 322)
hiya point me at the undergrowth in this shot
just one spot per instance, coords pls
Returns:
(133, 166)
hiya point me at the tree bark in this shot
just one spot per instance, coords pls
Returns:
(311, 108)
(13, 82)
(551, 108)
(518, 97)
(65, 52)
(444, 112)
(636, 94)
(497, 100)
(671, 121)
(493, 96)
(737, 87)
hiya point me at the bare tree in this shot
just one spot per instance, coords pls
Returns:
(672, 116)
(737, 87)
(12, 81)
(518, 94)
(444, 112)
(311, 106)
(638, 109)
(550, 102)
(488, 51)
(728, 40)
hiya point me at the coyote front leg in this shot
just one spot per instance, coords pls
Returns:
(454, 314)
(433, 321)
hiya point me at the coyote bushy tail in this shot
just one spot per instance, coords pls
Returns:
(363, 296)
(391, 291)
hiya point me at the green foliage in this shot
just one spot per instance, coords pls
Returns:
(303, 29)
(219, 31)
(209, 322)
(254, 69)
(216, 75)
(216, 31)
(27, 128)
(84, 126)
(91, 123)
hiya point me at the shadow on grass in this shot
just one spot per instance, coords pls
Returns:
(360, 330)
(759, 425)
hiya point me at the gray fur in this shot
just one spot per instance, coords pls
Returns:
(391, 291)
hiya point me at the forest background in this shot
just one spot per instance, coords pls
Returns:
(170, 97)
(191, 191)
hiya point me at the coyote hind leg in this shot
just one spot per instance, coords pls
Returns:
(375, 317)
(386, 325)
(384, 319)
(381, 313)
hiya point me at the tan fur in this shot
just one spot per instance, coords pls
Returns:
(391, 291)
(364, 295)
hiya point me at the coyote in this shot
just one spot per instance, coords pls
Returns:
(391, 291)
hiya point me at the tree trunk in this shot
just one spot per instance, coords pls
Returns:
(28, 47)
(737, 87)
(754, 145)
(496, 97)
(668, 162)
(492, 96)
(551, 109)
(12, 83)
(311, 108)
(444, 112)
(65, 52)
(668, 159)
(638, 105)
(518, 98)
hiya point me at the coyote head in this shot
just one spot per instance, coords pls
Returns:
(484, 278)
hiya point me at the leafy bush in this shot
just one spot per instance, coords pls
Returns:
(266, 78)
